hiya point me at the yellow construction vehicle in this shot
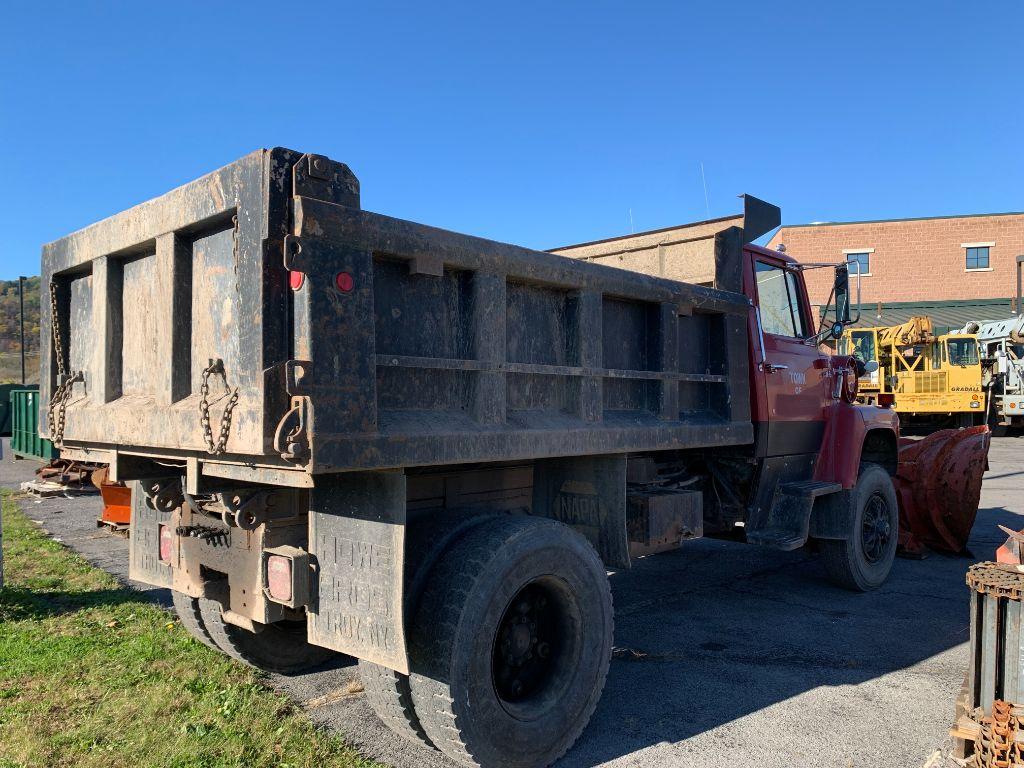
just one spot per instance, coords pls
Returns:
(926, 378)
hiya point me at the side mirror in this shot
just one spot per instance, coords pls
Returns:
(842, 294)
(870, 366)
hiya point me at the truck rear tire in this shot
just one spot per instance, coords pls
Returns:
(388, 692)
(511, 644)
(190, 615)
(862, 561)
(280, 647)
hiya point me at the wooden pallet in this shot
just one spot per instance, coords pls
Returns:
(50, 490)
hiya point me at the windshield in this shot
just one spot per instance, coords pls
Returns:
(963, 351)
(863, 345)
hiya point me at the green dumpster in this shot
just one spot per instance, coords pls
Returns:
(25, 439)
(5, 405)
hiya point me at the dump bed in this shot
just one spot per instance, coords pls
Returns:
(257, 324)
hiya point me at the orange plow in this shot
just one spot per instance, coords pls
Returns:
(938, 486)
(117, 500)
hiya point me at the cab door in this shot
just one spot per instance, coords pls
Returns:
(795, 373)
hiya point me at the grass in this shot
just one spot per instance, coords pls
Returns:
(93, 675)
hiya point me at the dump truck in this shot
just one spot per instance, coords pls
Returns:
(349, 433)
(927, 379)
(1002, 357)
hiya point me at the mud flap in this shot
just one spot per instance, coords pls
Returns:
(357, 543)
(589, 494)
(144, 564)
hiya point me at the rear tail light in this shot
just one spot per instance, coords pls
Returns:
(286, 576)
(166, 543)
(279, 578)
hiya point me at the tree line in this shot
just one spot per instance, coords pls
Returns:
(10, 316)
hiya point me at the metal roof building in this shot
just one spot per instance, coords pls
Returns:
(946, 315)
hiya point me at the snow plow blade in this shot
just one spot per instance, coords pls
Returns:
(117, 499)
(938, 486)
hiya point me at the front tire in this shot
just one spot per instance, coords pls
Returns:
(511, 644)
(862, 561)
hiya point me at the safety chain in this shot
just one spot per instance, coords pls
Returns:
(218, 447)
(59, 400)
(58, 349)
(58, 407)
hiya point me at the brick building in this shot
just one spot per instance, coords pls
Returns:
(949, 267)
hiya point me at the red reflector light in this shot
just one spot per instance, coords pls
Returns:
(279, 578)
(166, 543)
(296, 279)
(344, 282)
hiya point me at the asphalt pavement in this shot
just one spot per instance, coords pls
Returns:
(726, 654)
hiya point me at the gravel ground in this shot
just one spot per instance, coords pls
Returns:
(727, 654)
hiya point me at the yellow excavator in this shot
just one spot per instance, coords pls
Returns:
(928, 379)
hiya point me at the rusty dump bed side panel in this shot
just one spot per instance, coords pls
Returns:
(432, 348)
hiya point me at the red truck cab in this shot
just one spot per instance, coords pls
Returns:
(811, 436)
(801, 393)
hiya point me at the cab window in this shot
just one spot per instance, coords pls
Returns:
(779, 300)
(864, 345)
(963, 351)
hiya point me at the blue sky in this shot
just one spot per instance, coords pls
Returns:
(536, 123)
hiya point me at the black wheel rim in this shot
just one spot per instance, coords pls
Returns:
(876, 528)
(536, 648)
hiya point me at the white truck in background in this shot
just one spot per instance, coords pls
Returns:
(1001, 344)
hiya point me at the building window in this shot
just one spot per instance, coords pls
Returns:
(860, 263)
(977, 257)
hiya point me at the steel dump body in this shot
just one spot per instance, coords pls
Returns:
(398, 345)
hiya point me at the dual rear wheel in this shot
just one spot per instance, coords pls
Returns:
(280, 647)
(510, 640)
(509, 649)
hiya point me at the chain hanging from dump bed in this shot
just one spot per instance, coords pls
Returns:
(59, 400)
(220, 446)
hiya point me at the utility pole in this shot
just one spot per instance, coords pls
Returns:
(21, 300)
